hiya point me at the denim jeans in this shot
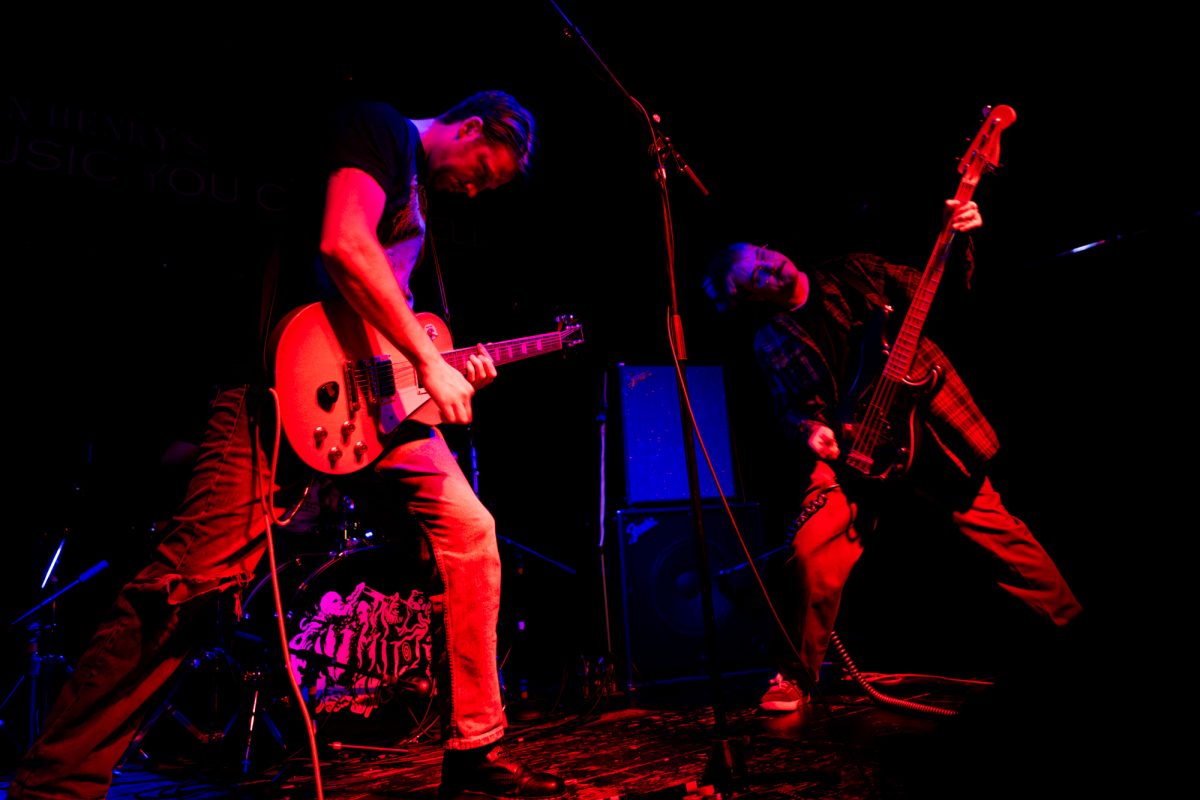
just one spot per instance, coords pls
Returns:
(214, 542)
(826, 546)
(462, 537)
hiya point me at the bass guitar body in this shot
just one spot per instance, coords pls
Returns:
(880, 417)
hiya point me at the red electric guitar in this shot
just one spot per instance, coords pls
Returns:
(343, 387)
(883, 430)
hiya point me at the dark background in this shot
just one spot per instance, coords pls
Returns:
(145, 168)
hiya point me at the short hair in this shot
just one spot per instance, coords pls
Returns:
(717, 283)
(505, 122)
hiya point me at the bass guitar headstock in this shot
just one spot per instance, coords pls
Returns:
(984, 152)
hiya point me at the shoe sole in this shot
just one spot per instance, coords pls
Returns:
(781, 706)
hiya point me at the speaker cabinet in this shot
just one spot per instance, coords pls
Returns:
(663, 615)
(655, 464)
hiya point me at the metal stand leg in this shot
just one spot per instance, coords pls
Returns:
(41, 690)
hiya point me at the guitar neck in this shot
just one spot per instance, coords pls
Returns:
(983, 154)
(509, 350)
(876, 449)
(904, 348)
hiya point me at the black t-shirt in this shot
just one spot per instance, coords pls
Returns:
(377, 139)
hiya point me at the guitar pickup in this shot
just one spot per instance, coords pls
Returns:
(380, 378)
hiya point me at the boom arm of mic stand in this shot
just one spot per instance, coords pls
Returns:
(662, 145)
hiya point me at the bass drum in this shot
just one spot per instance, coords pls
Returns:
(360, 627)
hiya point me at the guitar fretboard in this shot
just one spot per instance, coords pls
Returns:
(508, 351)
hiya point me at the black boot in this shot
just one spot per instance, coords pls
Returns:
(492, 772)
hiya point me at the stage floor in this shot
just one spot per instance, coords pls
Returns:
(1042, 733)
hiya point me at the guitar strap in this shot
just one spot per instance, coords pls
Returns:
(876, 298)
(969, 258)
(865, 288)
(810, 508)
(437, 270)
(430, 246)
(270, 287)
(270, 291)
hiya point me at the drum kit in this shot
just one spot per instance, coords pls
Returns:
(361, 605)
(360, 612)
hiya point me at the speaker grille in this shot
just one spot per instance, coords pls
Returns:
(655, 463)
(661, 589)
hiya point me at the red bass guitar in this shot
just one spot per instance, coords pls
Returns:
(882, 427)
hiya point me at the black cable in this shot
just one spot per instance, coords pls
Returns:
(266, 499)
(877, 695)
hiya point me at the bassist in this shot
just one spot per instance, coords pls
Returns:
(806, 346)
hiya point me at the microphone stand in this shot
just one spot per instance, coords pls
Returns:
(725, 770)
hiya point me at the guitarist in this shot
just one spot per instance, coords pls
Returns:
(369, 224)
(806, 344)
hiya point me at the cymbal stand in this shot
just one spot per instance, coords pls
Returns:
(41, 662)
(223, 671)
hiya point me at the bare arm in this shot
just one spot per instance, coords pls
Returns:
(359, 268)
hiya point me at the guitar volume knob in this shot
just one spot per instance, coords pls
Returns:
(335, 455)
(319, 435)
(347, 429)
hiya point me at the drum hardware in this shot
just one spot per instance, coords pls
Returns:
(45, 670)
(257, 680)
(214, 700)
(366, 748)
(418, 686)
(212, 663)
(361, 629)
(518, 684)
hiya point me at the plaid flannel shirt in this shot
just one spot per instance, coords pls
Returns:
(809, 357)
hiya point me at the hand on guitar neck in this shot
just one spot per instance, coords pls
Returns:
(443, 382)
(962, 216)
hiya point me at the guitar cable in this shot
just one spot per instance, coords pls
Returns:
(809, 508)
(875, 694)
(265, 498)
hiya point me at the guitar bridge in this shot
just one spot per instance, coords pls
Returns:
(860, 462)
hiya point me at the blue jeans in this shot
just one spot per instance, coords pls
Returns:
(214, 542)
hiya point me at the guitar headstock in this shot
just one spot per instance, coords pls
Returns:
(570, 331)
(984, 152)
